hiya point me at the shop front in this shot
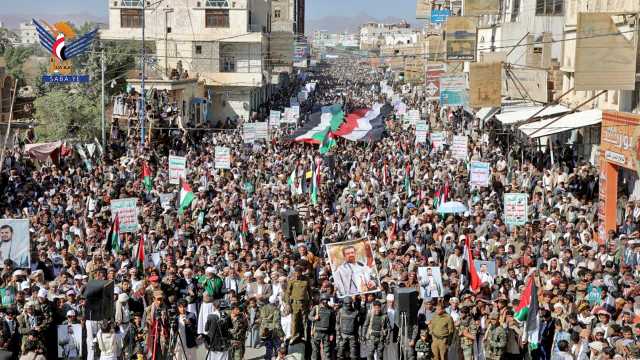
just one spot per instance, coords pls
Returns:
(618, 168)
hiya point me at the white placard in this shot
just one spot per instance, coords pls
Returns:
(249, 133)
(223, 157)
(274, 118)
(421, 132)
(127, 211)
(479, 173)
(262, 131)
(177, 169)
(437, 140)
(459, 147)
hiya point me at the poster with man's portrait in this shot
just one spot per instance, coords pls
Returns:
(430, 280)
(353, 267)
(69, 341)
(486, 270)
(14, 241)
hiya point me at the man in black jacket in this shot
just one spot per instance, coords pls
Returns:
(186, 326)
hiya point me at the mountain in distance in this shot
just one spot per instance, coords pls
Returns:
(12, 21)
(351, 24)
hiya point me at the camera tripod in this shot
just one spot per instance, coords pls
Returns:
(174, 340)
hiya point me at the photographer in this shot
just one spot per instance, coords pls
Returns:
(184, 323)
(217, 329)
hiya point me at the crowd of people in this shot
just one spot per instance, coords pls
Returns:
(221, 276)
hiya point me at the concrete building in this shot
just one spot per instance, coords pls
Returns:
(323, 39)
(287, 26)
(222, 43)
(28, 34)
(6, 90)
(618, 100)
(375, 35)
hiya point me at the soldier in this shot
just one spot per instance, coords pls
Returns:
(376, 329)
(270, 328)
(423, 346)
(238, 333)
(298, 294)
(442, 328)
(348, 321)
(324, 324)
(467, 331)
(495, 339)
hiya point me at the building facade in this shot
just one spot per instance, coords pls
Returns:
(616, 100)
(374, 35)
(27, 33)
(287, 27)
(222, 43)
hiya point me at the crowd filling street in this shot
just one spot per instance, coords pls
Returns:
(221, 275)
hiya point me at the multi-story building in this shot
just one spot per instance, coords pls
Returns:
(28, 34)
(287, 26)
(323, 38)
(222, 43)
(618, 100)
(374, 35)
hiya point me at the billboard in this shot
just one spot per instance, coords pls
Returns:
(282, 48)
(485, 85)
(434, 72)
(533, 80)
(453, 90)
(481, 7)
(461, 38)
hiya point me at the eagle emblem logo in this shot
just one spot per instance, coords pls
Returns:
(61, 42)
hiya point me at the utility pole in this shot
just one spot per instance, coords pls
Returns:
(143, 107)
(102, 122)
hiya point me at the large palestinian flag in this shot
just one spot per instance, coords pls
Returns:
(365, 124)
(527, 312)
(320, 125)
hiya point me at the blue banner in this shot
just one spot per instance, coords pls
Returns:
(65, 79)
(439, 16)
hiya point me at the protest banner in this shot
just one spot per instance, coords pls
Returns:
(453, 90)
(430, 280)
(249, 133)
(516, 210)
(177, 169)
(222, 157)
(262, 131)
(421, 132)
(437, 140)
(413, 116)
(434, 72)
(127, 211)
(479, 173)
(15, 242)
(69, 341)
(460, 147)
(274, 118)
(353, 267)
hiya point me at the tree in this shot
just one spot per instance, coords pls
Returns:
(61, 115)
(7, 37)
(15, 58)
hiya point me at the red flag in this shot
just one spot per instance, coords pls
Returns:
(140, 255)
(468, 267)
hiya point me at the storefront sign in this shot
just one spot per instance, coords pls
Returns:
(615, 157)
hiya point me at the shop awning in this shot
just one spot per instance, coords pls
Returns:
(486, 113)
(558, 124)
(526, 113)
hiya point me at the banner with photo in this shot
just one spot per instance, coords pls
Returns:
(516, 208)
(453, 90)
(479, 173)
(70, 341)
(15, 242)
(430, 280)
(486, 270)
(481, 7)
(353, 267)
(434, 73)
(177, 169)
(222, 157)
(461, 38)
(127, 211)
(485, 86)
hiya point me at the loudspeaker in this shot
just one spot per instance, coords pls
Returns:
(100, 304)
(291, 226)
(406, 302)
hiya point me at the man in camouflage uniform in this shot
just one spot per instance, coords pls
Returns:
(238, 333)
(495, 339)
(270, 328)
(322, 331)
(376, 329)
(298, 295)
(347, 327)
(467, 331)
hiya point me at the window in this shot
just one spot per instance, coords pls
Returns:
(217, 18)
(515, 11)
(228, 64)
(276, 14)
(550, 7)
(131, 3)
(217, 3)
(199, 49)
(131, 18)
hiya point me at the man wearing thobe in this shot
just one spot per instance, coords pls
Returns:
(353, 277)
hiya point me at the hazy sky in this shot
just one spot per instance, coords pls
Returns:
(315, 8)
